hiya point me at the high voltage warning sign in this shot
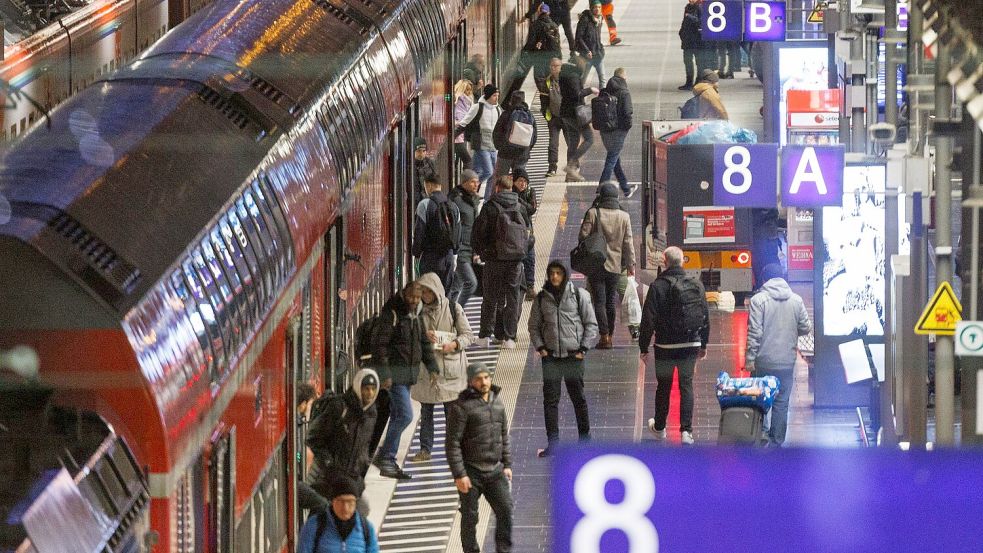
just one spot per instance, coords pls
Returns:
(941, 314)
(816, 16)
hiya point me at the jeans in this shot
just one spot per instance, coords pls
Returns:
(604, 294)
(463, 155)
(551, 401)
(663, 374)
(484, 165)
(426, 424)
(692, 63)
(579, 139)
(465, 283)
(441, 264)
(529, 268)
(501, 303)
(597, 62)
(614, 143)
(778, 415)
(400, 416)
(495, 487)
(554, 125)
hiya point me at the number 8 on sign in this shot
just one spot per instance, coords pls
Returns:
(741, 169)
(628, 516)
(721, 20)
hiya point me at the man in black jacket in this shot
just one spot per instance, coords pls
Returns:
(579, 137)
(542, 44)
(512, 156)
(589, 44)
(527, 197)
(676, 347)
(436, 233)
(425, 169)
(399, 345)
(465, 197)
(614, 140)
(480, 458)
(339, 434)
(691, 41)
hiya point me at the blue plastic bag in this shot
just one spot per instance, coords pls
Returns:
(719, 132)
(746, 392)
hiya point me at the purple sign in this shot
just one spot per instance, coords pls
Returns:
(812, 176)
(745, 175)
(644, 499)
(721, 20)
(764, 21)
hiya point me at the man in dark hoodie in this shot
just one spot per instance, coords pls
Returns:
(614, 140)
(527, 197)
(513, 155)
(691, 41)
(465, 197)
(579, 137)
(589, 44)
(562, 329)
(436, 233)
(424, 167)
(497, 239)
(542, 44)
(399, 345)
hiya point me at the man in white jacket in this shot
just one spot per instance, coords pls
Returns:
(777, 317)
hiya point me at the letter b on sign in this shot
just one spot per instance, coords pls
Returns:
(721, 20)
(745, 175)
(765, 21)
(812, 176)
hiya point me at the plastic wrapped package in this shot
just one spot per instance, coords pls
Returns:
(718, 132)
(747, 392)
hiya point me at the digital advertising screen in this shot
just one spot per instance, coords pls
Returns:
(800, 69)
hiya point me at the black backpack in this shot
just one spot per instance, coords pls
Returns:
(686, 301)
(604, 112)
(363, 341)
(511, 234)
(322, 525)
(691, 109)
(443, 226)
(472, 131)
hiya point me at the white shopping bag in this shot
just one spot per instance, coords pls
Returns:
(631, 307)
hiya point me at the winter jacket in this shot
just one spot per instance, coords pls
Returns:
(711, 106)
(426, 226)
(424, 168)
(618, 87)
(399, 343)
(572, 91)
(588, 36)
(467, 204)
(776, 318)
(690, 37)
(331, 541)
(478, 433)
(528, 200)
(483, 235)
(616, 226)
(550, 100)
(558, 8)
(504, 126)
(489, 117)
(452, 377)
(461, 107)
(656, 318)
(340, 435)
(566, 328)
(544, 32)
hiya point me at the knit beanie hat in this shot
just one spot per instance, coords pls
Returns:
(488, 91)
(476, 368)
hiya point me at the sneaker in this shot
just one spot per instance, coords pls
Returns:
(492, 342)
(686, 438)
(551, 172)
(631, 191)
(659, 434)
(393, 471)
(616, 41)
(508, 344)
(421, 456)
(573, 175)
(686, 86)
(545, 452)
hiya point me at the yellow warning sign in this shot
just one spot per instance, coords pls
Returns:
(816, 16)
(941, 314)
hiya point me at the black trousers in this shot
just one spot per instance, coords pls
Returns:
(554, 125)
(442, 264)
(495, 487)
(381, 419)
(663, 374)
(463, 155)
(551, 401)
(579, 139)
(501, 302)
(562, 19)
(604, 293)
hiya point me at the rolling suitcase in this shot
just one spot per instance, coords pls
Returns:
(740, 425)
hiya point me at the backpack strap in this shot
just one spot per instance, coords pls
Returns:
(365, 529)
(322, 525)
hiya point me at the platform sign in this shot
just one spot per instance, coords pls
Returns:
(745, 175)
(812, 176)
(941, 314)
(764, 21)
(721, 20)
(969, 338)
(642, 499)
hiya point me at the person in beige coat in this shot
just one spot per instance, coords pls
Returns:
(451, 334)
(620, 249)
(708, 91)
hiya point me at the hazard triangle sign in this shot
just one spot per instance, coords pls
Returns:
(816, 15)
(941, 314)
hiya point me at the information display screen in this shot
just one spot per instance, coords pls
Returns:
(801, 69)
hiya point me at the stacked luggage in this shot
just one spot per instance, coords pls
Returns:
(743, 404)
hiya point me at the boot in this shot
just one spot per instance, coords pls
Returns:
(573, 172)
(605, 342)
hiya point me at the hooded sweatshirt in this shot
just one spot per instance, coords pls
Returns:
(711, 106)
(453, 366)
(483, 238)
(776, 318)
(339, 436)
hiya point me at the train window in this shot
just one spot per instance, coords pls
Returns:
(264, 190)
(377, 109)
(272, 241)
(239, 279)
(198, 325)
(258, 247)
(355, 103)
(220, 315)
(244, 260)
(231, 325)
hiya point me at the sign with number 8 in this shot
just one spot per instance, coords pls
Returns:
(722, 20)
(745, 175)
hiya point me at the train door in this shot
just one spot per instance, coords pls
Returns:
(457, 56)
(335, 308)
(221, 492)
(403, 179)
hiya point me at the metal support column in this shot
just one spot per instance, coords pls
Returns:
(914, 345)
(972, 433)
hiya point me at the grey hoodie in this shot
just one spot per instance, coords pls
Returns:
(777, 317)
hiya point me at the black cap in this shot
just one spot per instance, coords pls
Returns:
(343, 485)
(519, 173)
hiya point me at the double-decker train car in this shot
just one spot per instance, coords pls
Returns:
(206, 227)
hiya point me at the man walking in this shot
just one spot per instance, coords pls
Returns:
(607, 217)
(400, 344)
(676, 312)
(542, 44)
(607, 10)
(577, 133)
(550, 102)
(614, 139)
(514, 134)
(437, 233)
(562, 328)
(589, 45)
(480, 458)
(465, 197)
(527, 198)
(478, 126)
(501, 238)
(776, 318)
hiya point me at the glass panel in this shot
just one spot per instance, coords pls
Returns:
(235, 240)
(256, 249)
(269, 239)
(213, 298)
(229, 315)
(271, 208)
(202, 315)
(242, 304)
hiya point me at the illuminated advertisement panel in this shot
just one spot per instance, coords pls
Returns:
(801, 69)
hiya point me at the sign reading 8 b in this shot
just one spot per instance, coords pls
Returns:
(629, 516)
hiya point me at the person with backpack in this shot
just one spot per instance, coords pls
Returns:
(448, 330)
(562, 329)
(339, 431)
(478, 126)
(576, 129)
(612, 113)
(339, 527)
(399, 346)
(589, 45)
(707, 95)
(691, 42)
(527, 197)
(437, 233)
(676, 311)
(542, 44)
(614, 224)
(465, 197)
(514, 134)
(500, 237)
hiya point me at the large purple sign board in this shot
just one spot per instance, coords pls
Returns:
(721, 20)
(812, 176)
(764, 21)
(745, 175)
(643, 499)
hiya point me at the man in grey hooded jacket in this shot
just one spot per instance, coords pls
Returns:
(777, 317)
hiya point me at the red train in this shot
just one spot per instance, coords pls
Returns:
(207, 226)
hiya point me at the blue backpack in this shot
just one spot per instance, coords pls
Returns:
(691, 109)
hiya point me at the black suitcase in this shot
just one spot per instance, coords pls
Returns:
(741, 425)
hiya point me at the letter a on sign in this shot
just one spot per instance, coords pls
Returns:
(812, 176)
